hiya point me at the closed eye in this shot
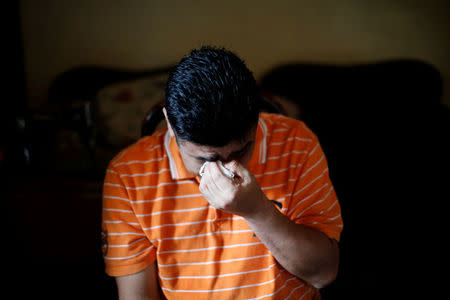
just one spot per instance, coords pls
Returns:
(235, 154)
(241, 152)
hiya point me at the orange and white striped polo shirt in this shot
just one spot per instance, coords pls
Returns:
(153, 209)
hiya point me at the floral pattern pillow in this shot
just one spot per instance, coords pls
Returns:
(122, 107)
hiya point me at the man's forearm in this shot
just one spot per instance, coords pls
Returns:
(140, 286)
(303, 251)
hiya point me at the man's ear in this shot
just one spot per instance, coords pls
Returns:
(171, 132)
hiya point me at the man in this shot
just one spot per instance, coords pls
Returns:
(268, 231)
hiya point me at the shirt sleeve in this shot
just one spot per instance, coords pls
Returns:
(126, 248)
(314, 202)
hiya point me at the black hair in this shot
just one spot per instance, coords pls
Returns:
(212, 98)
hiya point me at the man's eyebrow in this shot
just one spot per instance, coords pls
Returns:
(209, 159)
(243, 148)
(217, 157)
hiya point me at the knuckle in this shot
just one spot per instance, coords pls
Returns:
(233, 193)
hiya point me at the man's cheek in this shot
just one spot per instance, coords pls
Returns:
(248, 157)
(192, 167)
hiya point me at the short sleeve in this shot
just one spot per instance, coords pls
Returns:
(313, 200)
(126, 248)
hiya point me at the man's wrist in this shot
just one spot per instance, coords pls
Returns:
(262, 211)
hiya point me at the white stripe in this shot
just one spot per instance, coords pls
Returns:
(282, 124)
(119, 156)
(315, 203)
(306, 198)
(263, 144)
(192, 223)
(290, 139)
(288, 153)
(127, 245)
(312, 181)
(155, 147)
(280, 129)
(277, 291)
(279, 199)
(214, 262)
(225, 289)
(278, 171)
(172, 211)
(307, 171)
(303, 296)
(217, 276)
(120, 222)
(329, 208)
(161, 184)
(210, 248)
(203, 234)
(144, 174)
(114, 197)
(313, 150)
(334, 218)
(115, 209)
(168, 197)
(113, 184)
(273, 186)
(277, 143)
(126, 233)
(138, 161)
(270, 121)
(272, 172)
(161, 132)
(150, 186)
(126, 257)
(173, 167)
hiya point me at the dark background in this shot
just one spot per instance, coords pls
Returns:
(391, 177)
(44, 255)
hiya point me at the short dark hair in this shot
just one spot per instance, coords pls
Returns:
(212, 98)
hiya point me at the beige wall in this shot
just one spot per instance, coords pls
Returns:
(60, 34)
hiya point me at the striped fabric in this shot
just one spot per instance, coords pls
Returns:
(153, 209)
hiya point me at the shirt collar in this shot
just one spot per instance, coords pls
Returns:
(177, 169)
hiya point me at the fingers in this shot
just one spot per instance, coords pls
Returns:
(232, 166)
(202, 169)
(205, 186)
(235, 195)
(215, 186)
(218, 176)
(238, 169)
(219, 179)
(215, 176)
(225, 171)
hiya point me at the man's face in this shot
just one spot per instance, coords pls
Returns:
(194, 155)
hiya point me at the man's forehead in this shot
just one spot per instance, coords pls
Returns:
(232, 146)
(205, 150)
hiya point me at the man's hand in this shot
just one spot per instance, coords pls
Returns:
(241, 195)
(303, 251)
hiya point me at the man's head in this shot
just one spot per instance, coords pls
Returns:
(212, 102)
(211, 98)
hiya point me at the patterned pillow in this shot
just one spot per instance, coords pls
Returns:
(121, 108)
